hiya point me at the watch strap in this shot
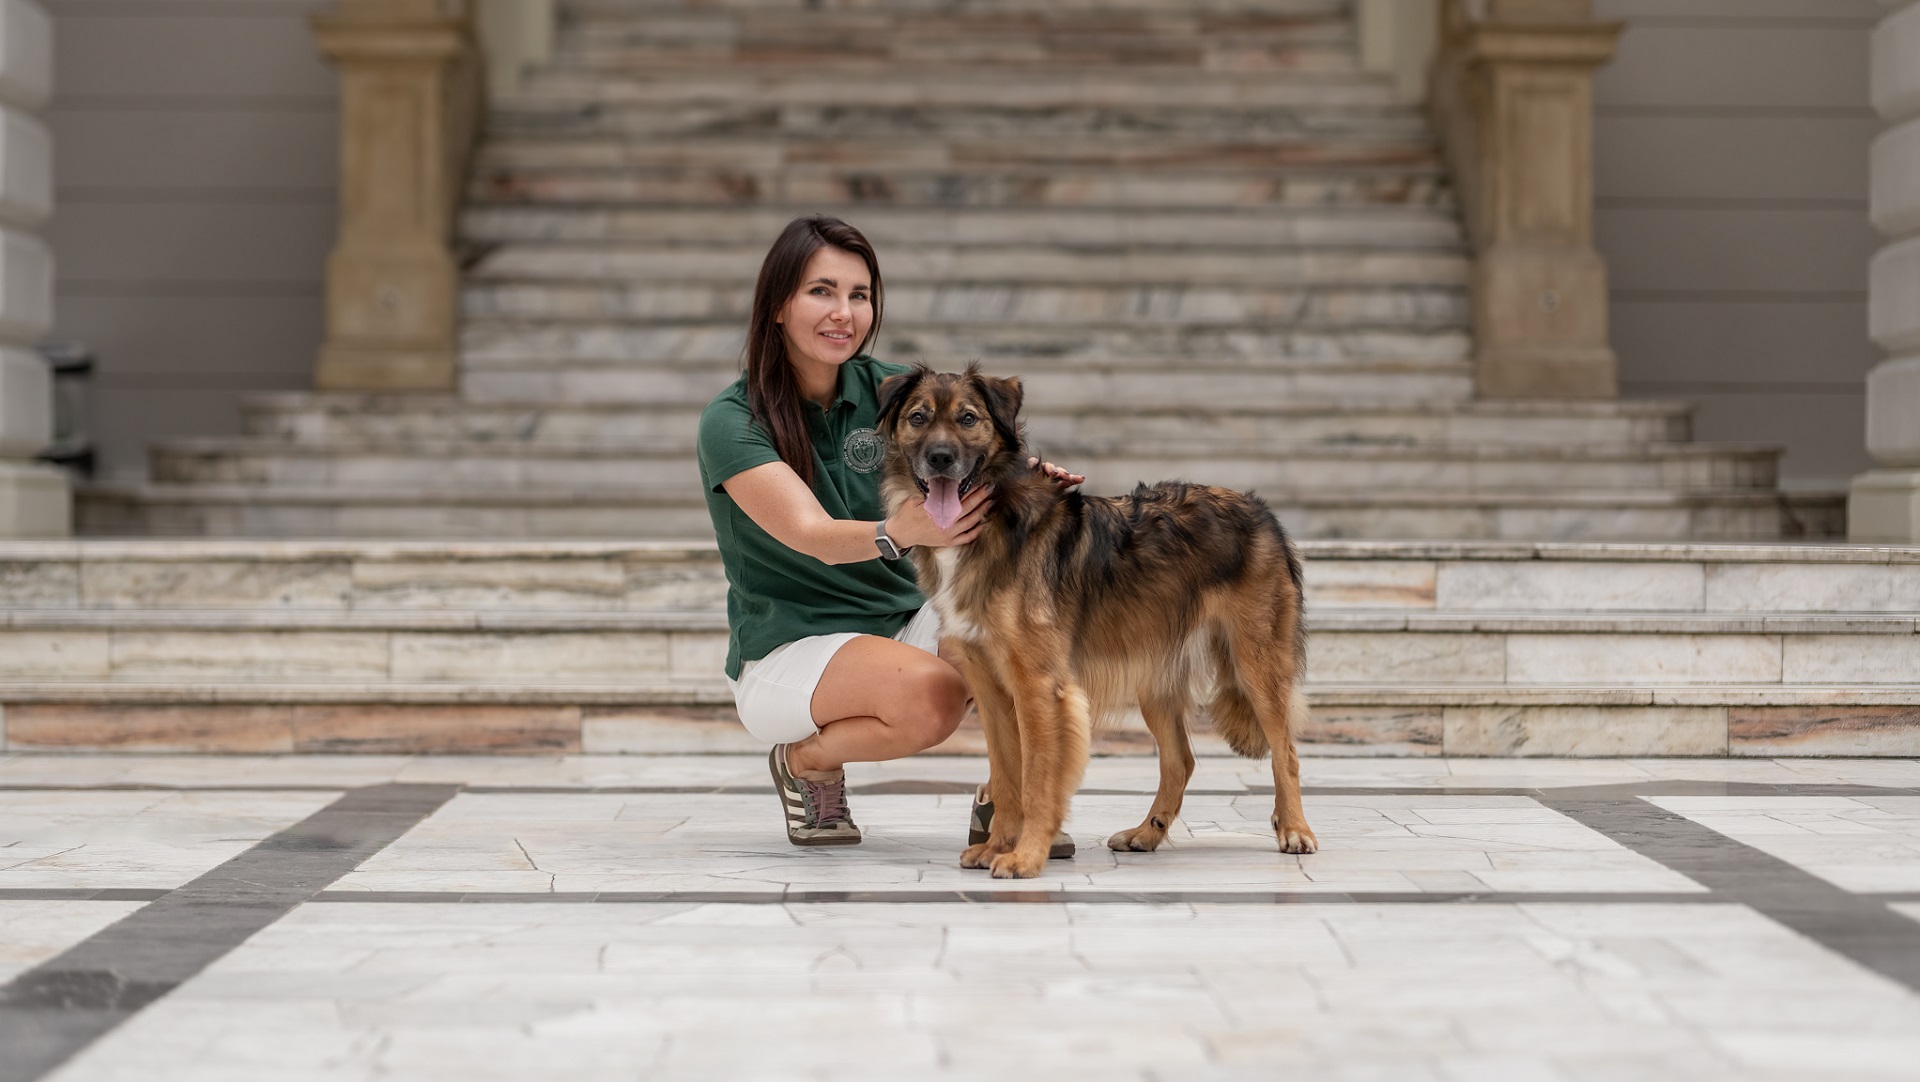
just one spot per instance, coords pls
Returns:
(888, 549)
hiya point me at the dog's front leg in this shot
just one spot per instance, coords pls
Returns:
(1056, 725)
(1003, 760)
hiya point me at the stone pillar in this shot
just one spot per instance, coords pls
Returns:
(1514, 97)
(409, 102)
(1884, 504)
(35, 500)
(516, 35)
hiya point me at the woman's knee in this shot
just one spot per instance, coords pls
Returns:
(939, 701)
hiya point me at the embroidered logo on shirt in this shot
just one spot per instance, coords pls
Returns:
(862, 450)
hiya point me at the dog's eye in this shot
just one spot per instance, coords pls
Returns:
(917, 418)
(968, 420)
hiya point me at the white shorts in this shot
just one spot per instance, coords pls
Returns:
(775, 693)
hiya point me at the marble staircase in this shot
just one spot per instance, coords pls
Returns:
(1209, 242)
(1418, 648)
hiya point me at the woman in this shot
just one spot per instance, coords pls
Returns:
(831, 651)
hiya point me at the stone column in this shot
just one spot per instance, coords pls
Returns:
(1514, 95)
(1884, 504)
(409, 99)
(35, 500)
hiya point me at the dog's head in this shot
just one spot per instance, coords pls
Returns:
(949, 431)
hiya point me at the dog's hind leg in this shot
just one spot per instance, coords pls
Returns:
(1269, 677)
(998, 720)
(1289, 818)
(1166, 720)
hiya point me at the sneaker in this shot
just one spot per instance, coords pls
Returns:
(816, 810)
(980, 826)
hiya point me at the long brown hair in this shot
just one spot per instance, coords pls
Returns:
(772, 391)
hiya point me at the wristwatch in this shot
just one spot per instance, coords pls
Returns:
(888, 550)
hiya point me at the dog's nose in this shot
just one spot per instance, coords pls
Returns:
(939, 458)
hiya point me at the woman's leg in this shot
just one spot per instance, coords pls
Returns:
(879, 699)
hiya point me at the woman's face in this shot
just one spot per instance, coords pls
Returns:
(828, 316)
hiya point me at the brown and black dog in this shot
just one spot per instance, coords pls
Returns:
(1065, 607)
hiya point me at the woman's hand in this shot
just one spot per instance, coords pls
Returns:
(1057, 475)
(912, 526)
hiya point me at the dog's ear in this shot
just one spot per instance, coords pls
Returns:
(894, 392)
(1003, 398)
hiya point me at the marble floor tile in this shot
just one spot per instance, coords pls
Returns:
(856, 991)
(33, 931)
(1855, 843)
(580, 842)
(140, 838)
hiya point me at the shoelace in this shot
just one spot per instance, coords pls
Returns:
(826, 800)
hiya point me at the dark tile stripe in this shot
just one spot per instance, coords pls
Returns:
(1860, 927)
(1049, 897)
(57, 1008)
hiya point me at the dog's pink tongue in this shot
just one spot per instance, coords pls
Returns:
(943, 501)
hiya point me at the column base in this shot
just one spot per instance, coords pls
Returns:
(35, 501)
(373, 369)
(1883, 506)
(1547, 373)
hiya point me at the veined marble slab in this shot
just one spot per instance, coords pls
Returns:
(481, 992)
(33, 931)
(1855, 843)
(136, 839)
(697, 842)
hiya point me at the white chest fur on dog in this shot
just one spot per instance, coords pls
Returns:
(952, 622)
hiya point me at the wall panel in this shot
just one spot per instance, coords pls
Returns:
(196, 151)
(1731, 189)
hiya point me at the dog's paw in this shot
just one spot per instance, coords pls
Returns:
(1141, 839)
(1017, 866)
(977, 856)
(1298, 840)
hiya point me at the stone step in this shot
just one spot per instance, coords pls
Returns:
(1166, 36)
(439, 511)
(924, 91)
(930, 127)
(402, 418)
(696, 717)
(519, 173)
(1151, 159)
(1003, 345)
(921, 232)
(1402, 578)
(1377, 649)
(603, 294)
(937, 268)
(703, 46)
(572, 10)
(665, 470)
(1064, 387)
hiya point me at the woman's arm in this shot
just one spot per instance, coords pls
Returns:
(775, 498)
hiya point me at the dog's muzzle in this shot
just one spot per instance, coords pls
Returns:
(944, 482)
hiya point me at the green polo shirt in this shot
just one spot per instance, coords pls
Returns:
(775, 594)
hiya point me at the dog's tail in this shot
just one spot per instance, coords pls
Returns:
(1232, 712)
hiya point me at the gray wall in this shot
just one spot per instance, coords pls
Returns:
(194, 162)
(1731, 148)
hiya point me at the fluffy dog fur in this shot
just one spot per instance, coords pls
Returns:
(1065, 607)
